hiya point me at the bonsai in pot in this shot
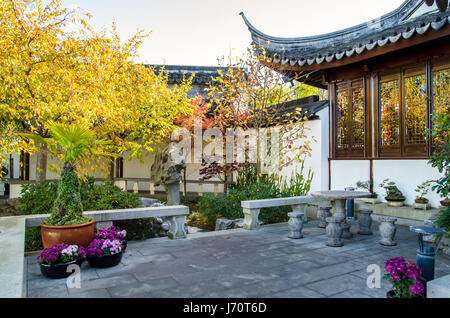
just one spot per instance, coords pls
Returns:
(405, 277)
(421, 202)
(55, 260)
(67, 224)
(394, 196)
(368, 186)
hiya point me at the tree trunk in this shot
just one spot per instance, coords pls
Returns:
(41, 164)
(111, 170)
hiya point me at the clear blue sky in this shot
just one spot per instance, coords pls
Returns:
(197, 32)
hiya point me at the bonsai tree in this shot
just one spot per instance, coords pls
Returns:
(422, 190)
(73, 145)
(366, 185)
(392, 192)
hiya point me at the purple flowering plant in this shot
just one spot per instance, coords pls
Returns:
(405, 277)
(99, 247)
(111, 233)
(60, 253)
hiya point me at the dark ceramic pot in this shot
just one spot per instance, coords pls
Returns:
(390, 294)
(105, 261)
(58, 270)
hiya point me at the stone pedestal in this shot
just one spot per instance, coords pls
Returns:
(421, 206)
(322, 214)
(334, 232)
(177, 227)
(173, 193)
(295, 225)
(365, 221)
(251, 221)
(387, 231)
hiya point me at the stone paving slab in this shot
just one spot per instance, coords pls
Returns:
(239, 264)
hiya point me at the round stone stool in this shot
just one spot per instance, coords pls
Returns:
(322, 214)
(365, 221)
(387, 231)
(334, 232)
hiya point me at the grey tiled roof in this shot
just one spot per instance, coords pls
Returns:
(203, 74)
(395, 26)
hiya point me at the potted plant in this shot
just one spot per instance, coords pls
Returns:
(368, 185)
(405, 277)
(113, 233)
(67, 224)
(394, 196)
(422, 190)
(102, 253)
(54, 260)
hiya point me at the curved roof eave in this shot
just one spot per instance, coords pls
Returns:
(330, 47)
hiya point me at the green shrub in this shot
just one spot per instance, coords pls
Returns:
(214, 206)
(443, 220)
(251, 186)
(38, 198)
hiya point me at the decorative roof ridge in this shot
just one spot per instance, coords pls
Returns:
(399, 13)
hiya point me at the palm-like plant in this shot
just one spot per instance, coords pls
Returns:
(72, 144)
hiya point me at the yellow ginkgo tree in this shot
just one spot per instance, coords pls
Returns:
(55, 68)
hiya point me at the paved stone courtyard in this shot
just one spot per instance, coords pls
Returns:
(239, 263)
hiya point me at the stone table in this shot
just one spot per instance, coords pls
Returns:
(338, 199)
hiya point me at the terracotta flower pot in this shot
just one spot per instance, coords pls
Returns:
(445, 202)
(80, 234)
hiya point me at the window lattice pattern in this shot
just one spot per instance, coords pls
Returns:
(358, 117)
(441, 91)
(343, 139)
(390, 113)
(416, 109)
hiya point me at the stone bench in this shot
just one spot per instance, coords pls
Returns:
(252, 208)
(176, 214)
(12, 239)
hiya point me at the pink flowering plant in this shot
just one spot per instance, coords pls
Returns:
(405, 277)
(100, 247)
(112, 233)
(60, 253)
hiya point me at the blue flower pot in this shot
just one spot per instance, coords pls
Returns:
(59, 270)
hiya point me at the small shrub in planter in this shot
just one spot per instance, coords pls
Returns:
(113, 233)
(405, 277)
(55, 259)
(102, 253)
(394, 196)
(422, 190)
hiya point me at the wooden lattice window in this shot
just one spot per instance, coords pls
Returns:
(349, 119)
(403, 114)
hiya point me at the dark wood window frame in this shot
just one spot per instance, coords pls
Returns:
(351, 152)
(24, 166)
(428, 68)
(119, 167)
